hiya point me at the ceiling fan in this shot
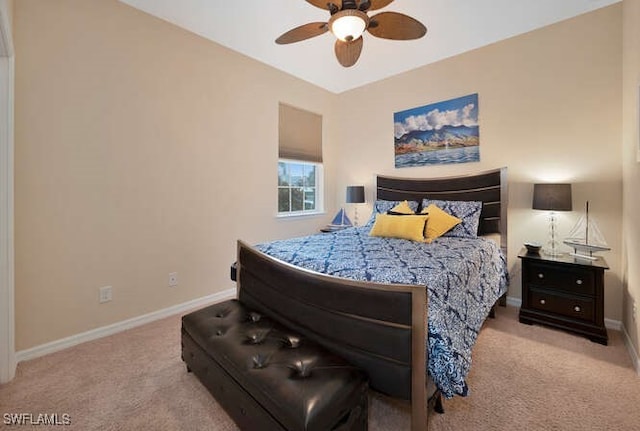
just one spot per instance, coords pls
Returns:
(349, 20)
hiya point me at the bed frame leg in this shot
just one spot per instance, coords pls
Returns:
(503, 300)
(438, 405)
(435, 402)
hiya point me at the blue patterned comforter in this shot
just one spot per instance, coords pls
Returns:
(464, 278)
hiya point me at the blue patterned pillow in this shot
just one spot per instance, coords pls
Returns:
(467, 211)
(381, 207)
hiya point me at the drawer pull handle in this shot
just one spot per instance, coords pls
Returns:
(540, 275)
(577, 309)
(542, 301)
(578, 281)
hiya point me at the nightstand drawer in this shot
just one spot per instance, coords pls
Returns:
(576, 308)
(569, 279)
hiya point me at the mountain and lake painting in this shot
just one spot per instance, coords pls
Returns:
(443, 132)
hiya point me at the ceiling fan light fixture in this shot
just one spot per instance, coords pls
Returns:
(349, 20)
(348, 24)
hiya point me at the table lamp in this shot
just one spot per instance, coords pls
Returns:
(552, 198)
(355, 195)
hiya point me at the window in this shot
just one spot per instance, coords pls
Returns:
(299, 187)
(300, 162)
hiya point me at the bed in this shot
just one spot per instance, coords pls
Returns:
(339, 289)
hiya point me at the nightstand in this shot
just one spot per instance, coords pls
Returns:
(564, 292)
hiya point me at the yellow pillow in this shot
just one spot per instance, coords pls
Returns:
(402, 208)
(440, 222)
(405, 227)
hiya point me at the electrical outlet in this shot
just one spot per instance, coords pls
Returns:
(173, 279)
(105, 294)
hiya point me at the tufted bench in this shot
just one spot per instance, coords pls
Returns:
(269, 378)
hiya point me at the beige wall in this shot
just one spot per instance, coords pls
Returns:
(141, 149)
(549, 108)
(631, 169)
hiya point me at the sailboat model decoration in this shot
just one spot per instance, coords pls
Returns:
(585, 237)
(339, 222)
(341, 219)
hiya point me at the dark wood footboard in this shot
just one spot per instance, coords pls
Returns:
(380, 328)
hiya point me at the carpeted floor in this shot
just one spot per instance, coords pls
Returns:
(523, 378)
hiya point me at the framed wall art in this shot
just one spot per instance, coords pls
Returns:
(439, 133)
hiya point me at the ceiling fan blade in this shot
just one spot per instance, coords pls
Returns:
(379, 4)
(303, 32)
(396, 26)
(348, 53)
(324, 4)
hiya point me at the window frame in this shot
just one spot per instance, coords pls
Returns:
(319, 190)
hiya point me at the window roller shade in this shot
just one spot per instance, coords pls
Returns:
(300, 134)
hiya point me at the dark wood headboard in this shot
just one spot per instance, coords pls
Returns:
(489, 187)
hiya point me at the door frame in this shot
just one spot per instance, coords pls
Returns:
(7, 280)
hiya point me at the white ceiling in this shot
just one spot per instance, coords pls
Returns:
(454, 26)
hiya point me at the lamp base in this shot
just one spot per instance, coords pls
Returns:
(551, 249)
(552, 253)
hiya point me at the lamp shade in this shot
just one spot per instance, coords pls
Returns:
(552, 197)
(355, 194)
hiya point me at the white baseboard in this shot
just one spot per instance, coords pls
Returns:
(608, 323)
(94, 334)
(635, 358)
(514, 302)
(54, 346)
(613, 324)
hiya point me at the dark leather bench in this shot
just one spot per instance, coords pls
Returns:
(268, 377)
